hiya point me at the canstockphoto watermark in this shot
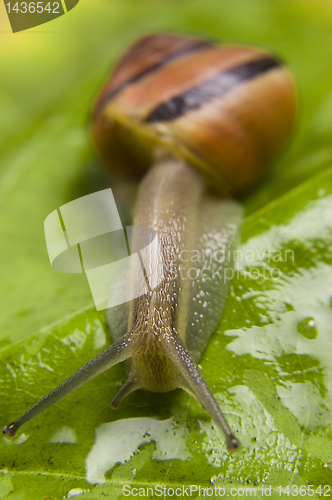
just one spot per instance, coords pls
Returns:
(192, 490)
(26, 15)
(123, 263)
(226, 254)
(224, 275)
(225, 263)
(196, 491)
(87, 236)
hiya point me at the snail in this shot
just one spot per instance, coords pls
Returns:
(200, 122)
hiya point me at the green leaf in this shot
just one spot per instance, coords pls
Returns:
(269, 362)
(269, 367)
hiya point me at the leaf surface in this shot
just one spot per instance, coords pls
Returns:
(269, 362)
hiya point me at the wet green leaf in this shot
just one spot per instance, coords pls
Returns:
(269, 362)
(271, 377)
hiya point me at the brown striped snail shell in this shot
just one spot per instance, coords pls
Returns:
(226, 109)
(178, 103)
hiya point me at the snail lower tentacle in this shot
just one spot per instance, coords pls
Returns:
(117, 352)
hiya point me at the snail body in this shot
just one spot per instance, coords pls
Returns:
(174, 309)
(209, 119)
